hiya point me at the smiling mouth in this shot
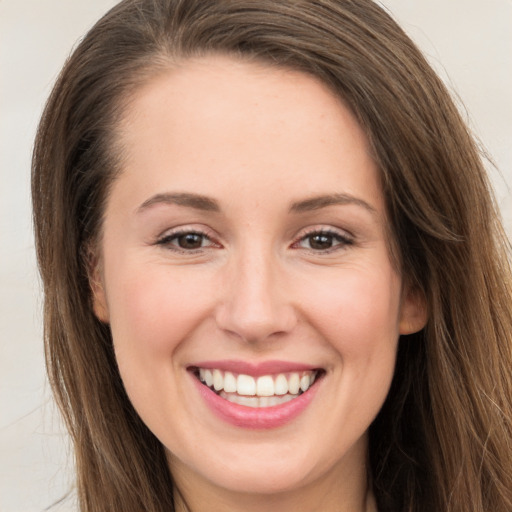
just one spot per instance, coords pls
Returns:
(257, 392)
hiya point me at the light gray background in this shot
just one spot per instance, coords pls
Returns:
(468, 41)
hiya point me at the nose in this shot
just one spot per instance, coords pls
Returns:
(255, 303)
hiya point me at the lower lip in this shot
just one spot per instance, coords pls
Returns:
(256, 418)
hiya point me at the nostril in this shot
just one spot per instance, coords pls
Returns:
(253, 323)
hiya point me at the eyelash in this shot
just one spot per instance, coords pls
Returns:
(342, 240)
(168, 239)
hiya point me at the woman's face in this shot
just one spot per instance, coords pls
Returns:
(244, 256)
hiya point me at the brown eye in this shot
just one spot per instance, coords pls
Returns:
(324, 241)
(321, 241)
(190, 241)
(186, 241)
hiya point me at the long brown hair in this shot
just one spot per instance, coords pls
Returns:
(443, 439)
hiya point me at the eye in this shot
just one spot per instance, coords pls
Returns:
(186, 241)
(323, 241)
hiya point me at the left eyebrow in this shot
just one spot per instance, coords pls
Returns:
(323, 201)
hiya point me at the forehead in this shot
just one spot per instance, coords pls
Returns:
(213, 121)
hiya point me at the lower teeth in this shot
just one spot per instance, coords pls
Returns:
(256, 401)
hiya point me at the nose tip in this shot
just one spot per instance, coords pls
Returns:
(253, 324)
(255, 305)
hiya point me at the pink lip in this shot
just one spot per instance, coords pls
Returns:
(261, 418)
(255, 369)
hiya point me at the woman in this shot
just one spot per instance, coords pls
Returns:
(274, 275)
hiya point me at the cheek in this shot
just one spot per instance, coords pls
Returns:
(153, 310)
(358, 311)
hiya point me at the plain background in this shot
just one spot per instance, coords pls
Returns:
(469, 42)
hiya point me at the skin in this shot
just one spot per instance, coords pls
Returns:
(256, 141)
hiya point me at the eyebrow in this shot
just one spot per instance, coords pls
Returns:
(204, 203)
(323, 201)
(196, 201)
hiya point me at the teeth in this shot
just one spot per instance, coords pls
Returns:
(218, 380)
(263, 401)
(305, 382)
(229, 383)
(248, 401)
(245, 385)
(294, 383)
(268, 387)
(207, 377)
(265, 386)
(281, 385)
(257, 401)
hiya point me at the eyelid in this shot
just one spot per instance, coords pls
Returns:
(346, 238)
(165, 238)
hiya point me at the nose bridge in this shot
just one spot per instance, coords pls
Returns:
(255, 304)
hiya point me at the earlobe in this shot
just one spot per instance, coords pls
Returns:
(99, 303)
(413, 314)
(96, 282)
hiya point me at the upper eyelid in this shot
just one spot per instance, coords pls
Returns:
(170, 232)
(177, 234)
(344, 237)
(167, 238)
(212, 236)
(167, 241)
(331, 230)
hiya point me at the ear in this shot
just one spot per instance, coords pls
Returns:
(413, 311)
(96, 282)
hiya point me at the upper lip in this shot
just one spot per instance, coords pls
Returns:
(255, 369)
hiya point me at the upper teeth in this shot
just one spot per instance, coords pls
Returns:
(265, 385)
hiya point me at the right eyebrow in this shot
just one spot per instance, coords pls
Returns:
(196, 201)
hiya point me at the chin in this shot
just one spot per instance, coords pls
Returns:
(264, 479)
